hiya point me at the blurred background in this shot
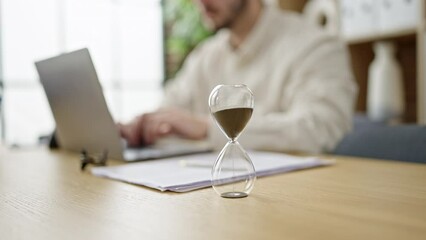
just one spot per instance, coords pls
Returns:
(137, 44)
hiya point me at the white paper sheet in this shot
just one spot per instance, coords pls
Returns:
(172, 175)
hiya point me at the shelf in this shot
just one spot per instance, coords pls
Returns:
(382, 36)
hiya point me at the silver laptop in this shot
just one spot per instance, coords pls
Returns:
(82, 118)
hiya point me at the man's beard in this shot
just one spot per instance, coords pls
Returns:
(237, 9)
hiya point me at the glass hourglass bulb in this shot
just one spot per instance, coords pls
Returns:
(233, 173)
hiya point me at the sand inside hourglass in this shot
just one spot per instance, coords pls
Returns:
(233, 120)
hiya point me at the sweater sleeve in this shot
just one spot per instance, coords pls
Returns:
(180, 92)
(319, 109)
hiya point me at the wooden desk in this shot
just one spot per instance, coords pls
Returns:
(43, 195)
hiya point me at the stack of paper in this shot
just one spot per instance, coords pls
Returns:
(182, 174)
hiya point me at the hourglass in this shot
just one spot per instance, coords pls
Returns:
(233, 173)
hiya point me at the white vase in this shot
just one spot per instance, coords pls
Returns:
(385, 95)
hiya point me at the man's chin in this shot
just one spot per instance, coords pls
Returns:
(209, 24)
(213, 26)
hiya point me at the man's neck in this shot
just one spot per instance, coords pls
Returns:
(245, 23)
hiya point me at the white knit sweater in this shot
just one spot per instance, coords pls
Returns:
(301, 79)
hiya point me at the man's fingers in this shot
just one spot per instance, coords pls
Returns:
(131, 132)
(166, 122)
(164, 129)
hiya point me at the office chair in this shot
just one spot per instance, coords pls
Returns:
(381, 141)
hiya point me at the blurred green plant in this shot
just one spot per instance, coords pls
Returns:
(183, 31)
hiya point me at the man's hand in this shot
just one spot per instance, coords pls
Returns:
(132, 131)
(150, 127)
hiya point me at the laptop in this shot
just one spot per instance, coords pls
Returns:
(82, 118)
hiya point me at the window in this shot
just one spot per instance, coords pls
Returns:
(124, 38)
